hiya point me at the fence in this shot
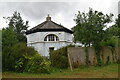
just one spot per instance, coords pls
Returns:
(77, 55)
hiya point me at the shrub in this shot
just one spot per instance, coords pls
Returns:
(112, 42)
(20, 55)
(59, 58)
(26, 59)
(38, 64)
(17, 57)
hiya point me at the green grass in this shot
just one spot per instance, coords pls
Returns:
(108, 71)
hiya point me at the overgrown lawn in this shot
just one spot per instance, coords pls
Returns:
(107, 71)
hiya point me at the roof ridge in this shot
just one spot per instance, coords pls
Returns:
(48, 26)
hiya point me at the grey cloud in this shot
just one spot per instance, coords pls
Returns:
(37, 11)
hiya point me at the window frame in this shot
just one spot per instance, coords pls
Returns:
(51, 38)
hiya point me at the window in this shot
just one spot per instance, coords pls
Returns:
(51, 37)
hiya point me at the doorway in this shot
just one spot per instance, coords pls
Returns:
(51, 49)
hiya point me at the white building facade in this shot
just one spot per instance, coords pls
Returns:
(48, 36)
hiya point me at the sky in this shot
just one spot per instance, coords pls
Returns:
(61, 12)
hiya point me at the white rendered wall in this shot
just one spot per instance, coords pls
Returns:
(36, 40)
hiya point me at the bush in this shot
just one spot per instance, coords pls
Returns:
(18, 57)
(59, 58)
(112, 42)
(25, 59)
(38, 64)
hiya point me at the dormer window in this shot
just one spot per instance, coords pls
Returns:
(51, 37)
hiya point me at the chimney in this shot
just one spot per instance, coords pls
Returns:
(48, 18)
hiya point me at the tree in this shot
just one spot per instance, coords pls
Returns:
(90, 29)
(118, 25)
(19, 26)
(118, 34)
(9, 39)
(114, 30)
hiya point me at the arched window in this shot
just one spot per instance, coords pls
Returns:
(51, 37)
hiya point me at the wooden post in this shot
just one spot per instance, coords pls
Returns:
(68, 52)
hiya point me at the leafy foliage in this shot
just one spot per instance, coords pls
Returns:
(17, 58)
(9, 39)
(19, 26)
(26, 59)
(112, 42)
(22, 54)
(16, 55)
(90, 26)
(90, 29)
(118, 25)
(38, 64)
(87, 58)
(59, 58)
